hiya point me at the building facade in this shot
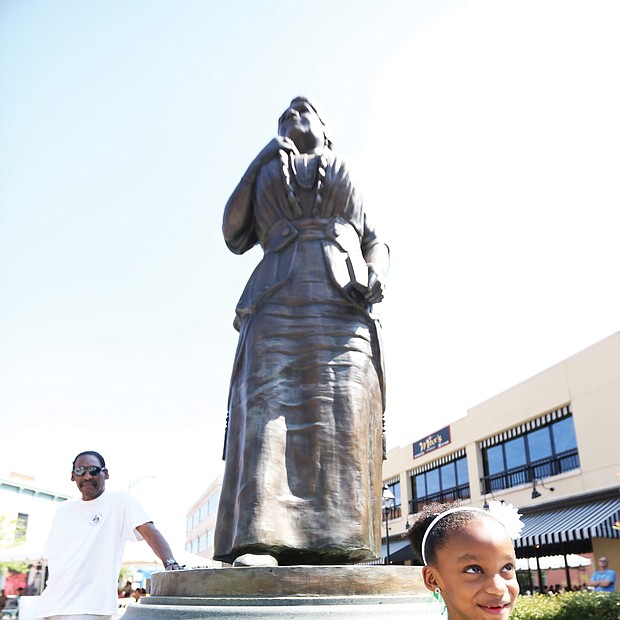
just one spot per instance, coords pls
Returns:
(548, 445)
(26, 512)
(201, 518)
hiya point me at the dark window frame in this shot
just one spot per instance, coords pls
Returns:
(533, 468)
(459, 491)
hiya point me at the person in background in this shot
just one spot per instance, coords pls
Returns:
(126, 590)
(603, 579)
(138, 593)
(86, 542)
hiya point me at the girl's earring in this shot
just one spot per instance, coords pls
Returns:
(437, 596)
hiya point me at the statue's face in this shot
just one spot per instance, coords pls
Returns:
(300, 123)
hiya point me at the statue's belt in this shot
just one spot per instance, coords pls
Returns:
(336, 229)
(341, 247)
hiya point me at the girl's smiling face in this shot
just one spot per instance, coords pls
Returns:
(475, 570)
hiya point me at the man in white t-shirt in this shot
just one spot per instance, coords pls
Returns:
(86, 543)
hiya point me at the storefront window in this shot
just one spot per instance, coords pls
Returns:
(564, 435)
(495, 460)
(445, 482)
(432, 482)
(420, 486)
(539, 443)
(515, 453)
(448, 476)
(545, 451)
(462, 475)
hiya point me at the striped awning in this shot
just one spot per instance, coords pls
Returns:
(444, 460)
(571, 523)
(526, 427)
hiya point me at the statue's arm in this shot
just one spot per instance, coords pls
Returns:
(238, 224)
(377, 257)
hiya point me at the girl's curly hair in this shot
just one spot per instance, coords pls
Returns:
(443, 529)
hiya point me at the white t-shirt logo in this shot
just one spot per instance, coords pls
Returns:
(96, 519)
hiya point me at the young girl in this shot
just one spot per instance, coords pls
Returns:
(469, 558)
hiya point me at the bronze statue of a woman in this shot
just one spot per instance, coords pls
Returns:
(302, 482)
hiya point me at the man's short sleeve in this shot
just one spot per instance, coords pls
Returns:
(135, 516)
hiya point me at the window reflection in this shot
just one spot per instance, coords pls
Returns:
(564, 436)
(539, 443)
(515, 452)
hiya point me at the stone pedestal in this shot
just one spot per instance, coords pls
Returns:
(301, 592)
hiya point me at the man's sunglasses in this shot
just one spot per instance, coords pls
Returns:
(93, 470)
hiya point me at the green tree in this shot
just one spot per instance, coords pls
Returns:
(7, 539)
(7, 531)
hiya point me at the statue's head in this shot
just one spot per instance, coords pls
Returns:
(302, 124)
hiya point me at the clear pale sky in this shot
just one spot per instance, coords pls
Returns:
(485, 136)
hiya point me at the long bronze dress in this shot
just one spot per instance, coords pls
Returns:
(304, 438)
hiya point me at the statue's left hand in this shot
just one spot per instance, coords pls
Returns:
(376, 287)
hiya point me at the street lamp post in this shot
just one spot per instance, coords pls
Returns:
(133, 482)
(386, 497)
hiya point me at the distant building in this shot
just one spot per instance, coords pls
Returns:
(28, 508)
(548, 445)
(26, 513)
(201, 517)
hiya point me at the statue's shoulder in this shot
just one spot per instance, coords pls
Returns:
(336, 164)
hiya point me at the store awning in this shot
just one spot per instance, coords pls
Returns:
(23, 553)
(571, 560)
(570, 524)
(135, 554)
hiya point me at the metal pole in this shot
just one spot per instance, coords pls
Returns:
(133, 482)
(386, 496)
(387, 537)
(540, 575)
(569, 585)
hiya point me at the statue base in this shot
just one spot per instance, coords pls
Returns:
(302, 592)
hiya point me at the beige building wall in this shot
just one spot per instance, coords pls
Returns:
(589, 382)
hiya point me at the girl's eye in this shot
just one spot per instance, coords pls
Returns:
(475, 570)
(508, 568)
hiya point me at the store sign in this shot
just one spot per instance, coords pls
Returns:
(431, 442)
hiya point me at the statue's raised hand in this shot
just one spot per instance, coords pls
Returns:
(271, 150)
